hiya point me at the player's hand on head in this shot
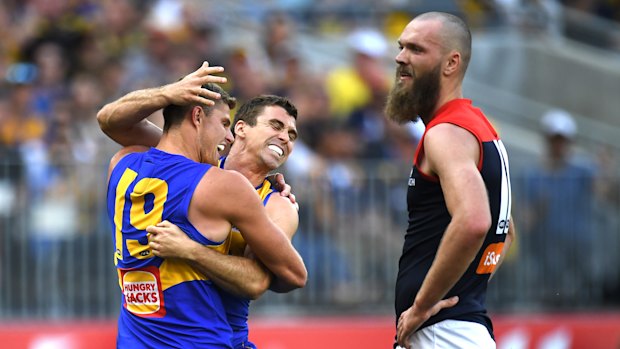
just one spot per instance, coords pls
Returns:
(189, 91)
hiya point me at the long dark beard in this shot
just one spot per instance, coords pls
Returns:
(406, 104)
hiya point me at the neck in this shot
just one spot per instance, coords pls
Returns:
(246, 164)
(176, 143)
(451, 92)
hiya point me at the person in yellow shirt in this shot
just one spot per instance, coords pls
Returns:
(352, 87)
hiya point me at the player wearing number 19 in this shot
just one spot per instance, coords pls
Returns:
(458, 197)
(168, 303)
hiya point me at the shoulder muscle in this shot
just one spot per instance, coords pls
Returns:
(224, 192)
(447, 146)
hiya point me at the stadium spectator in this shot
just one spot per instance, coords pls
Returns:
(558, 195)
(352, 87)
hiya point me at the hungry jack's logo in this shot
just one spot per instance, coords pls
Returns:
(142, 291)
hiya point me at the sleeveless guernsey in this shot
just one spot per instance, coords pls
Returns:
(429, 217)
(166, 303)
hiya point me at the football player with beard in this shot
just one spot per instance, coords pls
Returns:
(459, 195)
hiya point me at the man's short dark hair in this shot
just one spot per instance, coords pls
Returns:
(455, 35)
(249, 111)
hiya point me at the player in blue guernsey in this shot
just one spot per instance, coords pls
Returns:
(170, 303)
(265, 130)
(265, 133)
(458, 199)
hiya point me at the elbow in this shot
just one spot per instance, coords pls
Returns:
(296, 278)
(300, 274)
(478, 226)
(103, 118)
(301, 278)
(291, 274)
(280, 285)
(257, 288)
(298, 283)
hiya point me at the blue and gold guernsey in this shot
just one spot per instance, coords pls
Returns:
(238, 308)
(165, 303)
(429, 218)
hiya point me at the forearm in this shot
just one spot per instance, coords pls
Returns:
(456, 252)
(238, 275)
(270, 244)
(275, 284)
(282, 285)
(124, 120)
(287, 266)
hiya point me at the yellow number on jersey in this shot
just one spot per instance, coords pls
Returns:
(138, 217)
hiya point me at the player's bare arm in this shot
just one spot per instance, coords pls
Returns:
(252, 276)
(467, 201)
(246, 277)
(234, 274)
(238, 203)
(124, 120)
(283, 212)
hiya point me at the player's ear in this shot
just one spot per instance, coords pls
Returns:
(197, 115)
(240, 128)
(453, 63)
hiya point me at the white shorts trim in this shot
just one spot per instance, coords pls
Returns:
(452, 334)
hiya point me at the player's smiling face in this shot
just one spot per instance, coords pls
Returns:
(273, 136)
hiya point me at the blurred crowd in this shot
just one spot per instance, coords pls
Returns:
(566, 206)
(61, 60)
